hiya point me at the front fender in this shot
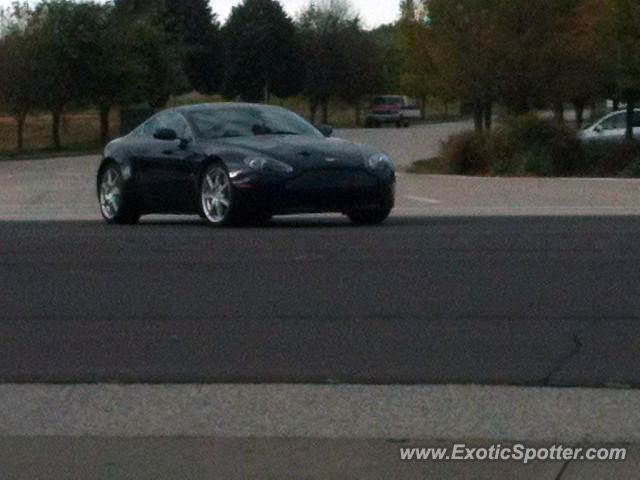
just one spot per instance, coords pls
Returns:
(115, 152)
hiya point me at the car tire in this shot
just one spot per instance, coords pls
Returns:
(217, 196)
(371, 216)
(117, 206)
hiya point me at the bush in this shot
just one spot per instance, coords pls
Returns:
(613, 158)
(545, 147)
(474, 153)
(520, 146)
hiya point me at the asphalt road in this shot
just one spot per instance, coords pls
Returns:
(505, 300)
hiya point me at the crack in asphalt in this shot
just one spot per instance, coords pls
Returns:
(577, 346)
(562, 470)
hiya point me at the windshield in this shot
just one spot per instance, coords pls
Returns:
(244, 121)
(386, 101)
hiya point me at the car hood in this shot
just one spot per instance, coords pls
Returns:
(301, 152)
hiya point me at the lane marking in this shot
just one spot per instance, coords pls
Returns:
(541, 179)
(572, 415)
(422, 199)
(546, 207)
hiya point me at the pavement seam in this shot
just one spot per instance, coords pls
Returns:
(577, 347)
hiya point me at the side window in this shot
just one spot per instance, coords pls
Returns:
(636, 119)
(147, 128)
(171, 120)
(615, 122)
(181, 127)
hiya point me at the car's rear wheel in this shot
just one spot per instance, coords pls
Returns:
(115, 205)
(217, 196)
(369, 216)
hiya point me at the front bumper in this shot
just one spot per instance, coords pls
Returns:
(387, 118)
(314, 191)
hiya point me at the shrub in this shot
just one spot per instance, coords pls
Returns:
(546, 147)
(520, 146)
(613, 158)
(474, 153)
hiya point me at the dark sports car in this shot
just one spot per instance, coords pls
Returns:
(235, 162)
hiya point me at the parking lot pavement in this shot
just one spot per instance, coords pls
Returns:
(574, 276)
(433, 195)
(245, 458)
(407, 145)
(286, 431)
(160, 458)
(64, 189)
(55, 189)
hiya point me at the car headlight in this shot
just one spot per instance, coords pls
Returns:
(264, 164)
(380, 161)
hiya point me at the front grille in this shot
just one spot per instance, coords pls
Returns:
(332, 178)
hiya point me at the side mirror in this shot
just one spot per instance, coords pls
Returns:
(165, 134)
(598, 128)
(326, 130)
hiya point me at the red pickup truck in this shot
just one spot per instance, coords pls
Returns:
(395, 109)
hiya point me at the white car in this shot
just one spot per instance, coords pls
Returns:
(611, 127)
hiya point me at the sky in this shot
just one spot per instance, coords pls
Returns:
(372, 12)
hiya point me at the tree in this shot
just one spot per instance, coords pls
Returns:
(513, 51)
(463, 39)
(421, 79)
(391, 56)
(572, 55)
(263, 52)
(619, 36)
(192, 36)
(361, 74)
(60, 30)
(18, 79)
(340, 59)
(197, 27)
(116, 72)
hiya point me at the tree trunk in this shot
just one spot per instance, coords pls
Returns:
(358, 116)
(325, 111)
(488, 115)
(313, 109)
(579, 107)
(266, 94)
(616, 104)
(104, 123)
(20, 118)
(629, 133)
(592, 114)
(423, 108)
(478, 116)
(558, 113)
(56, 113)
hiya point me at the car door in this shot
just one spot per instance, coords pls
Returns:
(614, 127)
(166, 166)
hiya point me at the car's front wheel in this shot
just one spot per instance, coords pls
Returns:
(217, 196)
(369, 216)
(115, 205)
